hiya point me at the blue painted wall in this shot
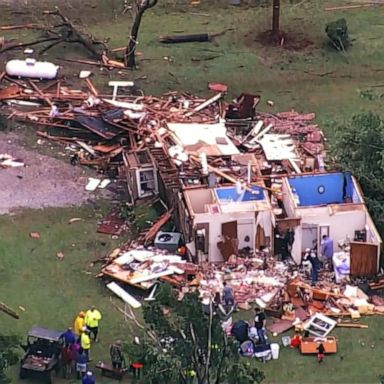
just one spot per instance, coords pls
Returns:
(336, 186)
(228, 195)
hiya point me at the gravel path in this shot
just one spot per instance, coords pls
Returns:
(43, 182)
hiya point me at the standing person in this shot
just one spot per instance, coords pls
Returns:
(306, 262)
(327, 251)
(68, 337)
(81, 360)
(260, 321)
(85, 343)
(117, 356)
(320, 353)
(79, 324)
(228, 297)
(67, 357)
(92, 318)
(315, 267)
(88, 378)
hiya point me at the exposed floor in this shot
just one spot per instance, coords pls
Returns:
(43, 182)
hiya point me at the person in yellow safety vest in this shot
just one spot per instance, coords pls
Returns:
(79, 324)
(85, 342)
(191, 374)
(92, 318)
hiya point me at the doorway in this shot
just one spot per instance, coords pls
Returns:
(309, 237)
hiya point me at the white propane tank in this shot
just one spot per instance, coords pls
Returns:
(32, 68)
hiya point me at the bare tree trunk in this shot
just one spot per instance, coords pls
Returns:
(276, 18)
(129, 55)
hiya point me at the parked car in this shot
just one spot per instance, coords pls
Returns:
(41, 360)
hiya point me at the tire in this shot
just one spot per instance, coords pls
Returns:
(51, 375)
(22, 374)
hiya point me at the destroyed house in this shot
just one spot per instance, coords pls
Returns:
(331, 204)
(219, 222)
(141, 174)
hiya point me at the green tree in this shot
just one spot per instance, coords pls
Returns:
(358, 147)
(183, 345)
(8, 355)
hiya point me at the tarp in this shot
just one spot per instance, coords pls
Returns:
(240, 331)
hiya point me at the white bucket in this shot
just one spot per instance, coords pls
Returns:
(275, 348)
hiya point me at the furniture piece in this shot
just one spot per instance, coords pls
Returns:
(107, 370)
(309, 345)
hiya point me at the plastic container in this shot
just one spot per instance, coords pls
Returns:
(275, 349)
(32, 69)
(286, 340)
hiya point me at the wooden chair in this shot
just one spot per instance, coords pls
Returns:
(108, 371)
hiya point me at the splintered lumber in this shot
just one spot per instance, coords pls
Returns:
(174, 39)
(98, 63)
(157, 226)
(37, 89)
(153, 276)
(352, 325)
(124, 295)
(91, 87)
(9, 311)
(206, 103)
(22, 26)
(346, 7)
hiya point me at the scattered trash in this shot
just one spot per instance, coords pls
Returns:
(92, 184)
(8, 161)
(74, 220)
(60, 255)
(84, 74)
(35, 235)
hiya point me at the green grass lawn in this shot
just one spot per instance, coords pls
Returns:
(52, 291)
(314, 79)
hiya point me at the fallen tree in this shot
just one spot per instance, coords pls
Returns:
(63, 32)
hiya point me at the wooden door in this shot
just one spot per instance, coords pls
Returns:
(229, 244)
(363, 259)
(309, 236)
(229, 229)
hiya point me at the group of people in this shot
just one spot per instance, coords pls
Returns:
(77, 341)
(77, 345)
(311, 262)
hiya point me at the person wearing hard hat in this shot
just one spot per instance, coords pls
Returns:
(85, 342)
(79, 324)
(92, 318)
(88, 378)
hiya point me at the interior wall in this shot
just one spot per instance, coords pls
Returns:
(341, 225)
(246, 227)
(287, 199)
(330, 188)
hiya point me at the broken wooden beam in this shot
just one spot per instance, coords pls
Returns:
(352, 325)
(9, 311)
(206, 103)
(150, 235)
(124, 295)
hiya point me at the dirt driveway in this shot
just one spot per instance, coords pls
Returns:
(43, 182)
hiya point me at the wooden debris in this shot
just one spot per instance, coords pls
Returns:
(352, 325)
(356, 6)
(9, 311)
